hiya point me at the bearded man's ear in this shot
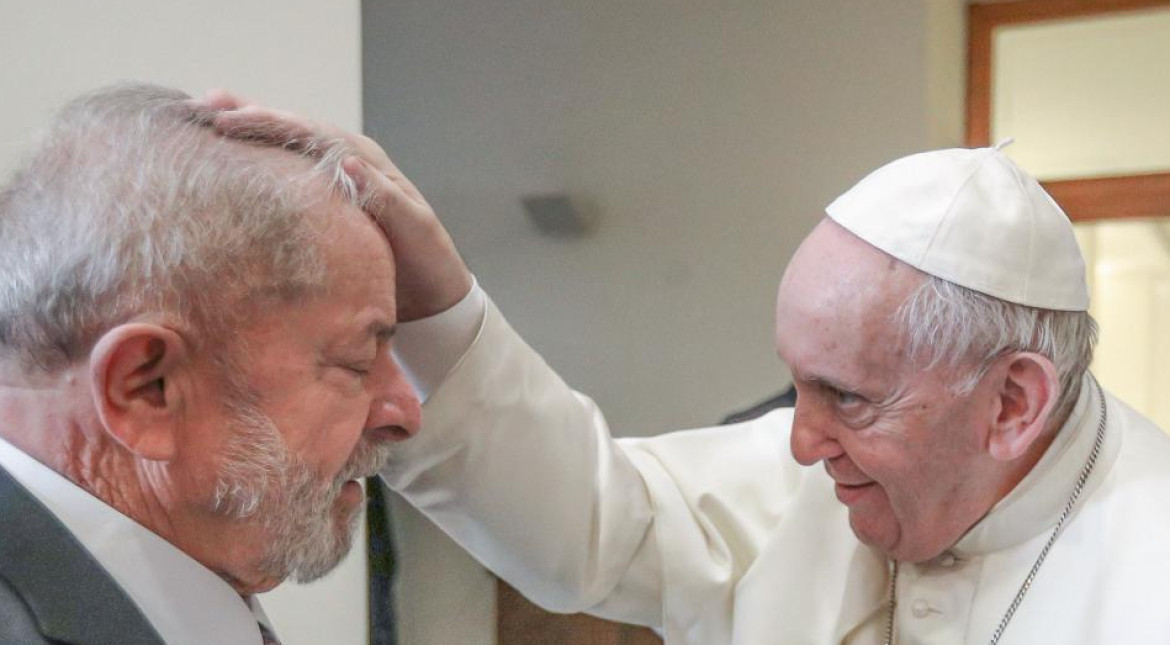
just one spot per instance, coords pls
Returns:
(136, 370)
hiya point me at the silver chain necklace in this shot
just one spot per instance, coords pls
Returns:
(1064, 515)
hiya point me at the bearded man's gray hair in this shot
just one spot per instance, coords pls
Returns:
(133, 205)
(947, 324)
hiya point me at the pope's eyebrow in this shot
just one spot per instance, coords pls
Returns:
(821, 380)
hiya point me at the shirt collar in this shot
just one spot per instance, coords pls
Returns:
(1035, 504)
(184, 601)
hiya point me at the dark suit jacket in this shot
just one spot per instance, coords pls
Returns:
(51, 588)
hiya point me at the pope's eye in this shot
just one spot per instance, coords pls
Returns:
(848, 403)
(852, 408)
(847, 399)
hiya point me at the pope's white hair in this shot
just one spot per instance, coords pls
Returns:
(133, 206)
(949, 325)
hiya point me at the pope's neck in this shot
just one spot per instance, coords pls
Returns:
(1023, 466)
(1014, 473)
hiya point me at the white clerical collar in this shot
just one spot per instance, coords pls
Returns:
(1036, 502)
(184, 601)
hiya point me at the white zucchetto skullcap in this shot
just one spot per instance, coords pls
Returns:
(970, 217)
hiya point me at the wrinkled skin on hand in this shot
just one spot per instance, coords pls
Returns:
(431, 276)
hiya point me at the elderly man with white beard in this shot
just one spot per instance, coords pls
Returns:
(194, 373)
(952, 472)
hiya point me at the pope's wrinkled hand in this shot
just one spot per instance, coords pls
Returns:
(431, 276)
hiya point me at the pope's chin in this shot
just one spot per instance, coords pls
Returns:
(870, 533)
(886, 534)
(875, 526)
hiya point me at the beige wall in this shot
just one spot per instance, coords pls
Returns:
(708, 136)
(301, 54)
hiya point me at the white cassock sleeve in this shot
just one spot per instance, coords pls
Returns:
(522, 472)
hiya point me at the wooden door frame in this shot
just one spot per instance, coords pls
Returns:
(1083, 199)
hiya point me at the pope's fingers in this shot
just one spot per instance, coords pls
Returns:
(286, 129)
(431, 276)
(269, 126)
(241, 118)
(394, 174)
(221, 99)
(391, 182)
(379, 195)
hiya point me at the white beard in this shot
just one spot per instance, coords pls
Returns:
(260, 481)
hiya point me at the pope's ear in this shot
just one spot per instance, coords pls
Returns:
(1027, 389)
(133, 369)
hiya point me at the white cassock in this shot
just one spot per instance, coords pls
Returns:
(717, 535)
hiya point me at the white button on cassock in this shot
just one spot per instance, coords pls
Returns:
(920, 609)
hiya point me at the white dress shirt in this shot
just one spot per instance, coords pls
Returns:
(184, 601)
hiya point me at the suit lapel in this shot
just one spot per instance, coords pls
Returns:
(72, 598)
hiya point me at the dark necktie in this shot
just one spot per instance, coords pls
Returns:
(381, 563)
(267, 635)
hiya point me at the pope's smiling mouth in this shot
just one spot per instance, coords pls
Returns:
(849, 494)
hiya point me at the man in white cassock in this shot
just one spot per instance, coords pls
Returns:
(952, 473)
